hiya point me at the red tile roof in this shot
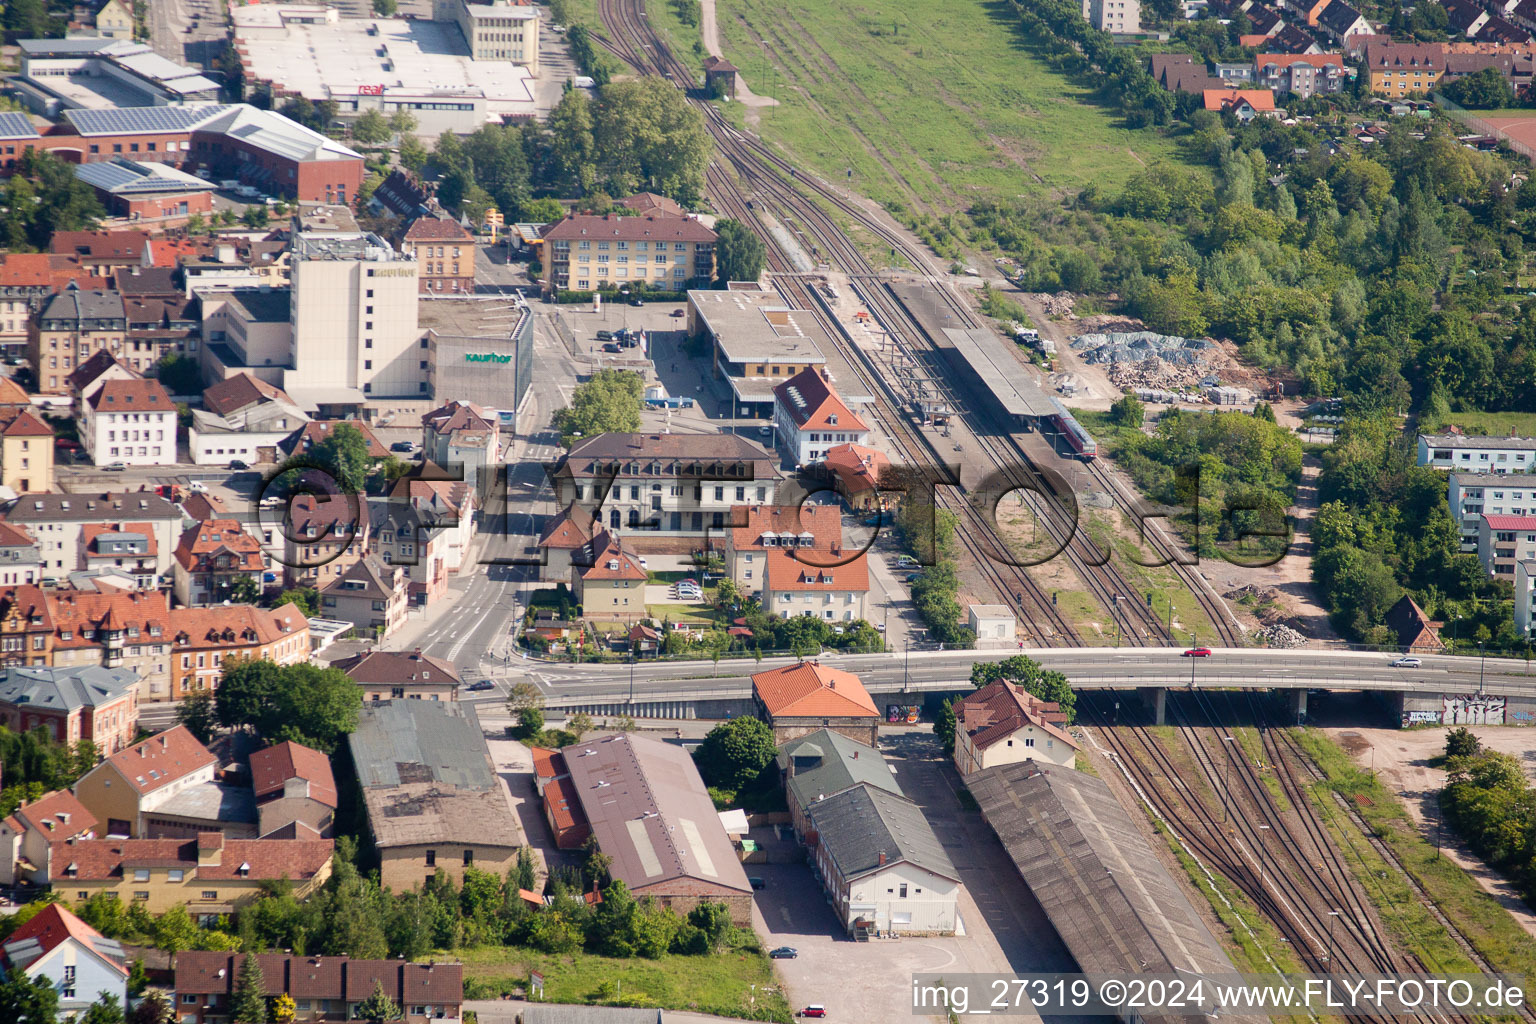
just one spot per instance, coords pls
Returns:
(161, 760)
(12, 536)
(315, 431)
(814, 404)
(570, 530)
(103, 859)
(47, 815)
(274, 766)
(221, 627)
(1000, 709)
(857, 465)
(653, 226)
(457, 415)
(1511, 522)
(437, 229)
(118, 245)
(1285, 60)
(55, 924)
(132, 396)
(12, 393)
(611, 560)
(91, 532)
(339, 978)
(811, 689)
(213, 538)
(787, 573)
(823, 522)
(1221, 99)
(235, 393)
(76, 612)
(24, 424)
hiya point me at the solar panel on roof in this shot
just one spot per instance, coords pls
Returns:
(120, 120)
(16, 126)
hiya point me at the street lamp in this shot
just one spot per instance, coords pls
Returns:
(631, 674)
(1226, 777)
(1333, 917)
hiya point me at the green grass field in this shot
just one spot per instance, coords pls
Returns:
(935, 100)
(1522, 423)
(737, 983)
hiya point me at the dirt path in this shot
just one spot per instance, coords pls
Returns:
(710, 30)
(1401, 760)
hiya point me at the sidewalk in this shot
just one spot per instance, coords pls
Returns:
(419, 622)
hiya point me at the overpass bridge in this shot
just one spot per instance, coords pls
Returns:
(1444, 688)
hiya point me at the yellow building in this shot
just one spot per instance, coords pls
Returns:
(26, 452)
(210, 874)
(612, 588)
(587, 252)
(114, 20)
(1404, 69)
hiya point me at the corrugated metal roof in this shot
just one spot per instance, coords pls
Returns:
(1116, 908)
(402, 741)
(860, 825)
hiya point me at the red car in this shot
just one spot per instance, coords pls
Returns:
(815, 1010)
(1197, 652)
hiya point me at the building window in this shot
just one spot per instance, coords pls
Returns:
(210, 894)
(431, 858)
(141, 896)
(469, 858)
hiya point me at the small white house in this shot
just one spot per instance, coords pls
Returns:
(992, 622)
(132, 422)
(809, 417)
(881, 864)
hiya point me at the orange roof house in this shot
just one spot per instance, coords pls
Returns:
(797, 700)
(857, 470)
(1246, 103)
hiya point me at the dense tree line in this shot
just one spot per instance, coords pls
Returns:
(928, 532)
(43, 196)
(1490, 804)
(33, 763)
(1383, 528)
(639, 134)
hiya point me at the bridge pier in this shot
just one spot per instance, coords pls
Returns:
(1296, 700)
(1156, 699)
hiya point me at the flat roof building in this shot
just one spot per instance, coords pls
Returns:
(758, 342)
(1478, 453)
(649, 810)
(99, 73)
(387, 64)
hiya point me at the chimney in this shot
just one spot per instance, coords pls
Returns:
(882, 858)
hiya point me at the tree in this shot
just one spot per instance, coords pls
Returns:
(739, 253)
(198, 713)
(305, 703)
(370, 128)
(28, 19)
(344, 454)
(402, 121)
(179, 374)
(413, 155)
(306, 599)
(1462, 743)
(1487, 89)
(1026, 672)
(1128, 412)
(255, 216)
(944, 724)
(542, 211)
(154, 1008)
(386, 8)
(378, 1007)
(25, 1000)
(284, 1009)
(525, 703)
(525, 873)
(734, 753)
(175, 930)
(714, 921)
(607, 403)
(572, 151)
(579, 725)
(648, 135)
(245, 590)
(248, 1005)
(107, 1009)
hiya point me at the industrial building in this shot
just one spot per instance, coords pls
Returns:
(92, 72)
(1116, 908)
(387, 64)
(492, 371)
(757, 342)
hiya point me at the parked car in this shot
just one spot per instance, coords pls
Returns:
(757, 883)
(913, 577)
(764, 431)
(269, 577)
(484, 684)
(906, 562)
(612, 346)
(879, 627)
(238, 464)
(115, 467)
(196, 487)
(814, 1010)
(604, 335)
(1406, 663)
(402, 446)
(1197, 652)
(679, 312)
(783, 953)
(636, 302)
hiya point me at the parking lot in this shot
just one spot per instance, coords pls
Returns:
(1005, 931)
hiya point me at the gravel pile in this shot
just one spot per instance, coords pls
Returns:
(1139, 346)
(1281, 635)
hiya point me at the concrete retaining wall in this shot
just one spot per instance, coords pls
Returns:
(1463, 709)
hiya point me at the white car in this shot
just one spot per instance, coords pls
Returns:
(1407, 663)
(197, 487)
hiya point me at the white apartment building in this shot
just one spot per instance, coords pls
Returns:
(355, 334)
(795, 583)
(810, 417)
(1504, 540)
(1118, 16)
(1478, 454)
(1471, 495)
(681, 484)
(57, 522)
(132, 422)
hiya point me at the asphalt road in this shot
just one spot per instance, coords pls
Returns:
(1106, 668)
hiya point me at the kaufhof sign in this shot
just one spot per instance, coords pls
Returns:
(486, 357)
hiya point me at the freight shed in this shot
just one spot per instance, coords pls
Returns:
(1117, 910)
